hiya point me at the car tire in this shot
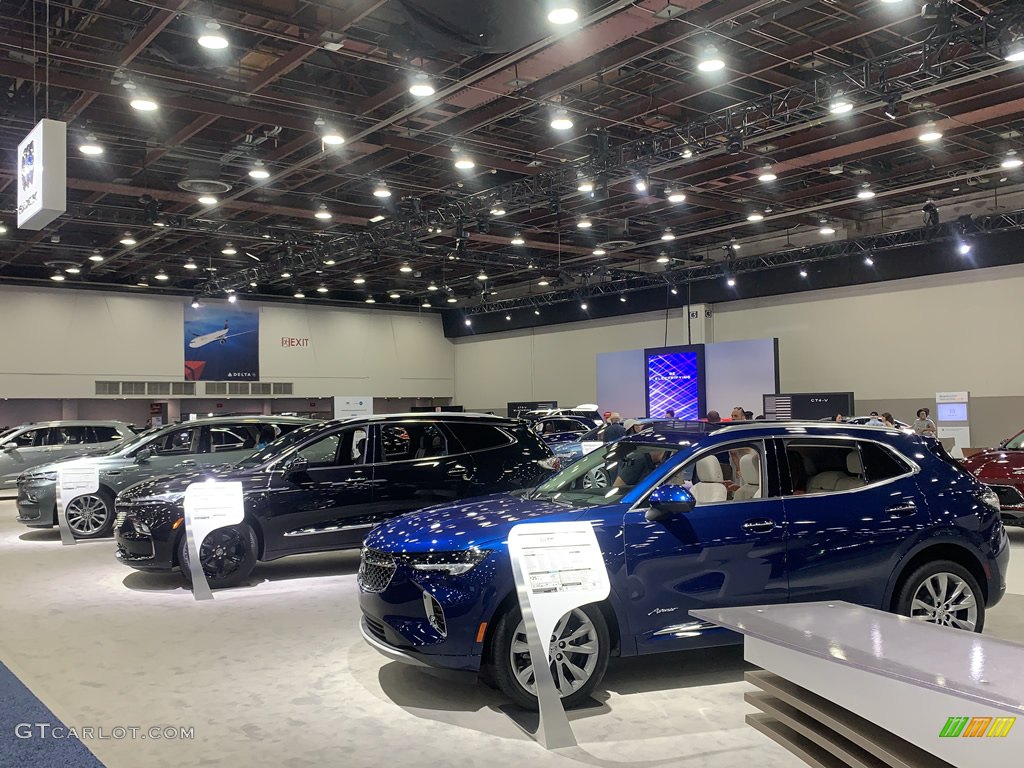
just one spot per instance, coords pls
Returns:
(91, 515)
(230, 567)
(945, 593)
(509, 661)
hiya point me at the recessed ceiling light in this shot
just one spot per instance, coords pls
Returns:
(406, 267)
(259, 171)
(667, 235)
(710, 60)
(561, 121)
(190, 264)
(359, 280)
(599, 252)
(207, 200)
(563, 14)
(322, 213)
(96, 257)
(212, 37)
(421, 85)
(299, 295)
(498, 210)
(90, 146)
(675, 196)
(517, 239)
(128, 239)
(840, 105)
(381, 190)
(143, 104)
(929, 132)
(229, 250)
(755, 216)
(1011, 160)
(161, 275)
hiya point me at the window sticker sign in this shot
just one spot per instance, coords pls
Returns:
(208, 506)
(557, 567)
(73, 481)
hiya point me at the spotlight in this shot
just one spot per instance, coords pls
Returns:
(143, 104)
(755, 216)
(734, 143)
(468, 322)
(508, 317)
(1011, 161)
(563, 14)
(536, 312)
(1015, 50)
(96, 257)
(891, 109)
(421, 85)
(710, 60)
(299, 295)
(195, 303)
(191, 265)
(586, 186)
(676, 196)
(322, 213)
(498, 210)
(90, 146)
(599, 252)
(584, 223)
(767, 174)
(381, 190)
(840, 105)
(583, 306)
(463, 161)
(207, 200)
(232, 298)
(674, 291)
(687, 153)
(641, 184)
(517, 239)
(826, 228)
(561, 121)
(869, 261)
(730, 281)
(259, 171)
(482, 277)
(865, 192)
(229, 250)
(667, 235)
(965, 248)
(803, 273)
(212, 37)
(128, 239)
(929, 132)
(622, 299)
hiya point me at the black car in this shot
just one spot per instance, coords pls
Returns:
(324, 486)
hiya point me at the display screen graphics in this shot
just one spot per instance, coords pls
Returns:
(222, 343)
(952, 411)
(675, 381)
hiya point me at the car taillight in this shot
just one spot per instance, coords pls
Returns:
(553, 463)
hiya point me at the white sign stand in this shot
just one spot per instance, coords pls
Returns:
(557, 567)
(208, 506)
(73, 482)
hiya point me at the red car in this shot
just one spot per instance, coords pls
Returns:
(1002, 469)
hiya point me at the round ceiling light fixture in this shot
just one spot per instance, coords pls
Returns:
(840, 105)
(584, 223)
(143, 104)
(95, 257)
(421, 86)
(406, 267)
(259, 171)
(563, 13)
(90, 146)
(676, 196)
(207, 200)
(322, 213)
(127, 239)
(865, 192)
(710, 60)
(668, 235)
(359, 280)
(767, 174)
(826, 228)
(755, 216)
(517, 239)
(929, 133)
(561, 120)
(229, 250)
(212, 37)
(1011, 161)
(191, 265)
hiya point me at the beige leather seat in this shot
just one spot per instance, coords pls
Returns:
(834, 480)
(708, 488)
(750, 473)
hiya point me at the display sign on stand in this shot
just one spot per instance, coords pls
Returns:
(208, 506)
(952, 418)
(73, 481)
(557, 567)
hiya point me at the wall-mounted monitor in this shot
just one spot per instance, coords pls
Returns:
(675, 381)
(952, 411)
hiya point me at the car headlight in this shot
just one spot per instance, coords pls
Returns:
(990, 500)
(452, 563)
(35, 477)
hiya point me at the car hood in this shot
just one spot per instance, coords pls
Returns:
(996, 464)
(166, 487)
(474, 523)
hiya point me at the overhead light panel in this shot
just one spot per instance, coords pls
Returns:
(191, 265)
(1011, 161)
(322, 213)
(498, 210)
(561, 120)
(767, 174)
(90, 146)
(127, 239)
(229, 250)
(1015, 50)
(517, 239)
(676, 196)
(865, 192)
(563, 13)
(463, 161)
(710, 60)
(212, 37)
(667, 235)
(755, 216)
(840, 105)
(421, 85)
(929, 132)
(584, 223)
(207, 200)
(143, 104)
(259, 171)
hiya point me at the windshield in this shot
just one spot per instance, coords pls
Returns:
(126, 446)
(277, 447)
(606, 474)
(1015, 443)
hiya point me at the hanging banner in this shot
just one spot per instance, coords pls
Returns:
(222, 342)
(42, 175)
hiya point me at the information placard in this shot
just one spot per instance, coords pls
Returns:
(209, 505)
(557, 567)
(73, 480)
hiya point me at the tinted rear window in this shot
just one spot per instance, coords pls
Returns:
(478, 437)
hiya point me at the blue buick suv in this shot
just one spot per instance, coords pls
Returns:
(744, 514)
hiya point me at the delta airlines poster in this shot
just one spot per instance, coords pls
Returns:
(222, 342)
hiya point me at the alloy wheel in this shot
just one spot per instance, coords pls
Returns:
(595, 478)
(573, 650)
(87, 514)
(222, 553)
(947, 600)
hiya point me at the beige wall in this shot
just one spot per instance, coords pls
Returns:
(57, 343)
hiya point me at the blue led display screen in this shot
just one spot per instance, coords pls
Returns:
(675, 380)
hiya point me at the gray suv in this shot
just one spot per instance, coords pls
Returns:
(174, 448)
(29, 445)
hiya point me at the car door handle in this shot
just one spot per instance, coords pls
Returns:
(759, 525)
(902, 510)
(187, 463)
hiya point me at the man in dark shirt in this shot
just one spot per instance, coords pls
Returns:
(614, 430)
(714, 417)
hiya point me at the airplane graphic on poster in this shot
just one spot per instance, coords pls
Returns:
(222, 336)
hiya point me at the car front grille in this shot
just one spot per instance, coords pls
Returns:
(375, 570)
(122, 514)
(1008, 495)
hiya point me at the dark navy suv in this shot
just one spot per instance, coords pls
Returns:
(323, 486)
(745, 514)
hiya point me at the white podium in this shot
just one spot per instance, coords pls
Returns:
(845, 685)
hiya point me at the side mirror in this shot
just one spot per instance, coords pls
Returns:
(668, 501)
(144, 455)
(8, 447)
(297, 465)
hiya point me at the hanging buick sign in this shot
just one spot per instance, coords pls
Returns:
(42, 175)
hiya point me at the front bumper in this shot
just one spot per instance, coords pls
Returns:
(997, 579)
(37, 503)
(146, 538)
(1011, 501)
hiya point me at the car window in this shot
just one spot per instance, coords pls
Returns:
(30, 438)
(344, 448)
(103, 434)
(233, 437)
(411, 440)
(824, 466)
(175, 443)
(323, 452)
(735, 472)
(1015, 443)
(478, 437)
(71, 435)
(881, 464)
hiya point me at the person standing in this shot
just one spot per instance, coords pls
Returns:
(670, 413)
(714, 417)
(614, 430)
(874, 420)
(888, 420)
(738, 414)
(924, 425)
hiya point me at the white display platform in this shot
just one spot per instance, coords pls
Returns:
(906, 677)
